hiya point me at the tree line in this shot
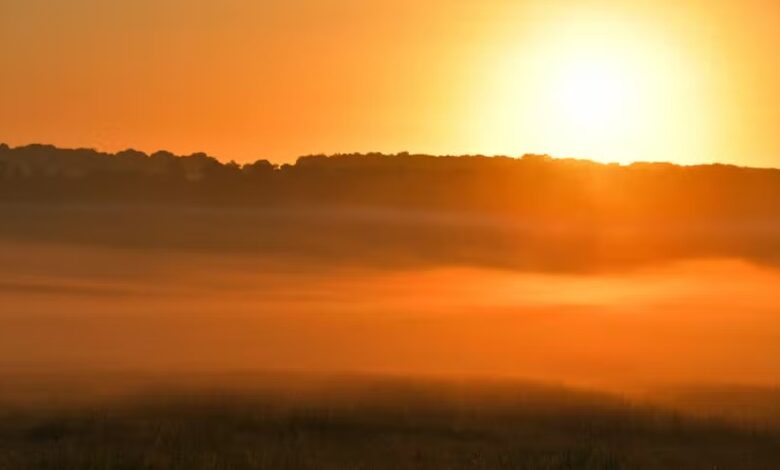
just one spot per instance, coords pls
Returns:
(532, 186)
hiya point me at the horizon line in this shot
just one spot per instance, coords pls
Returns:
(222, 161)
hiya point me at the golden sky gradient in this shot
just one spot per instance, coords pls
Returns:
(687, 81)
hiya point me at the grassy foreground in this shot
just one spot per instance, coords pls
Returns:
(372, 425)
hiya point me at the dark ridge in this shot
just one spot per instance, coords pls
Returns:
(530, 213)
(533, 186)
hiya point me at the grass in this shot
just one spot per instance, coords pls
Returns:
(371, 424)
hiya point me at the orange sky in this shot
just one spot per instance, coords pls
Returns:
(688, 81)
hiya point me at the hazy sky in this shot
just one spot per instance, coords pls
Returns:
(687, 81)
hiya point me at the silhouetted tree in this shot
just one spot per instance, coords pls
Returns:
(532, 187)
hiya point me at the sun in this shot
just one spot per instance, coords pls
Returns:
(585, 86)
(575, 99)
(598, 103)
(592, 96)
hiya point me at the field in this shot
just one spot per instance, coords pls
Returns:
(360, 423)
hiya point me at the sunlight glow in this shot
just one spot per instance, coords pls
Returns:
(592, 96)
(591, 87)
